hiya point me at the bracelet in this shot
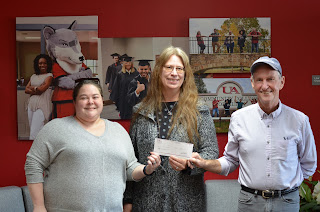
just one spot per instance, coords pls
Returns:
(144, 171)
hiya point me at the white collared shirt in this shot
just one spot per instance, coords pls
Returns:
(275, 151)
(128, 71)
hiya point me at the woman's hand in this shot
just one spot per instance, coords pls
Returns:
(36, 193)
(154, 162)
(29, 89)
(127, 207)
(178, 164)
(141, 171)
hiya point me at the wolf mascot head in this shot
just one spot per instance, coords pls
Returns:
(63, 46)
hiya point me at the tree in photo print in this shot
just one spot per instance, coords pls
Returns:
(235, 25)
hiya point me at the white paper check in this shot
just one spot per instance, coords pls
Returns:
(167, 148)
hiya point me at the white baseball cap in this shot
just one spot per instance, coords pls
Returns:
(273, 62)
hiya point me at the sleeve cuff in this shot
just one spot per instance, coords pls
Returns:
(224, 166)
(130, 171)
(127, 201)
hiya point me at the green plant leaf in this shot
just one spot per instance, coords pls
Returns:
(308, 206)
(305, 192)
(316, 208)
(313, 183)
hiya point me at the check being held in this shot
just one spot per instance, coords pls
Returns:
(175, 148)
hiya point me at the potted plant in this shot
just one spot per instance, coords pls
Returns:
(310, 195)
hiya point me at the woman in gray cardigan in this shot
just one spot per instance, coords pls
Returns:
(171, 110)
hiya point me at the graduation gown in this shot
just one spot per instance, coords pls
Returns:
(131, 96)
(111, 74)
(119, 93)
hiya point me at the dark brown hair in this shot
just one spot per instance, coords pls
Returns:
(94, 82)
(36, 63)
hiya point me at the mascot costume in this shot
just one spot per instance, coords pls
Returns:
(64, 48)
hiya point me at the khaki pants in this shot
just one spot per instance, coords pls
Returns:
(214, 44)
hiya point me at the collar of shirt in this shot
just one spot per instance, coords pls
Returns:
(273, 115)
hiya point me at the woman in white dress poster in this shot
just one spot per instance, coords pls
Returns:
(39, 103)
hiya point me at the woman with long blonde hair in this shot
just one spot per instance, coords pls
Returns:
(171, 110)
(120, 88)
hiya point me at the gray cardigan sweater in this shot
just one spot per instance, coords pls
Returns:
(83, 172)
(166, 189)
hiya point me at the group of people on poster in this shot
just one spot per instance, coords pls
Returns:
(229, 41)
(126, 85)
(227, 104)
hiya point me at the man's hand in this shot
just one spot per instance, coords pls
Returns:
(140, 87)
(196, 161)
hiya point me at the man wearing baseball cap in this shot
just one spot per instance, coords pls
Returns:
(272, 143)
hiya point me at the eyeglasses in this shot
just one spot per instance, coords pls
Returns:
(170, 69)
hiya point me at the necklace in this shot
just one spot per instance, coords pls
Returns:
(170, 111)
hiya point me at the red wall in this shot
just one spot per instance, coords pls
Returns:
(295, 32)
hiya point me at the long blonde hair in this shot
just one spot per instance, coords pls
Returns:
(186, 109)
(132, 69)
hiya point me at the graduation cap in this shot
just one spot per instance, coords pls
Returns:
(144, 62)
(127, 58)
(123, 56)
(115, 54)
